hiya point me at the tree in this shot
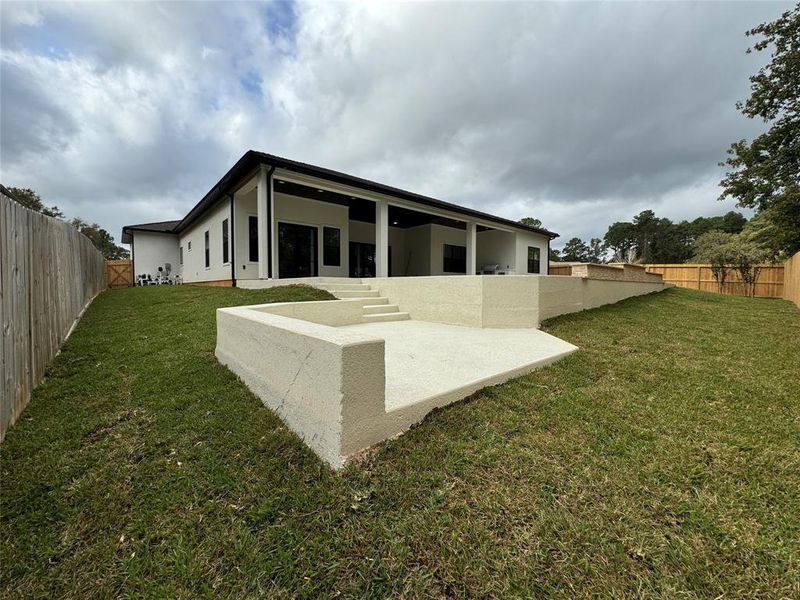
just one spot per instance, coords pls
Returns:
(765, 173)
(747, 258)
(575, 251)
(554, 255)
(530, 222)
(101, 239)
(715, 248)
(596, 251)
(30, 199)
(621, 238)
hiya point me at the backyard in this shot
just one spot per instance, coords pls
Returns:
(661, 460)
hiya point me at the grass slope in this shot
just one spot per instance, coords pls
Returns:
(662, 460)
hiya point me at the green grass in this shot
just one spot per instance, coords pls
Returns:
(662, 460)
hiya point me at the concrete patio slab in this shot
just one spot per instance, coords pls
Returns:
(426, 361)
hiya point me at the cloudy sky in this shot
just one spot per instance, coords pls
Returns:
(578, 114)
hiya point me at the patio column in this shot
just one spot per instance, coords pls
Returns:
(264, 208)
(381, 238)
(472, 245)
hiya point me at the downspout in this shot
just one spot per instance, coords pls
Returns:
(232, 243)
(133, 259)
(270, 171)
(547, 263)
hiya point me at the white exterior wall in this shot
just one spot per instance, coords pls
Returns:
(194, 269)
(365, 233)
(301, 211)
(245, 207)
(153, 250)
(497, 247)
(525, 239)
(441, 235)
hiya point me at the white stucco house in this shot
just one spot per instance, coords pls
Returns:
(273, 218)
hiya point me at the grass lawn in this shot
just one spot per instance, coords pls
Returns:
(662, 460)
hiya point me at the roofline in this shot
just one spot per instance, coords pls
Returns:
(147, 227)
(252, 159)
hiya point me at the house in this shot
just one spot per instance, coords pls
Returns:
(273, 218)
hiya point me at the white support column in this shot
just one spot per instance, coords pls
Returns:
(472, 248)
(381, 238)
(273, 228)
(264, 214)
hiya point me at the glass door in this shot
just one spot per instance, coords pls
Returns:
(297, 251)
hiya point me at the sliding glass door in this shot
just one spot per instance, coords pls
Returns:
(297, 251)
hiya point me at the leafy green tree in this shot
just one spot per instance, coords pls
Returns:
(596, 251)
(30, 199)
(101, 239)
(620, 238)
(530, 222)
(716, 249)
(765, 173)
(555, 255)
(575, 250)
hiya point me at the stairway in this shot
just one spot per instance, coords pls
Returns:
(376, 307)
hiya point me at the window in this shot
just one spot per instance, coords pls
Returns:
(454, 259)
(190, 246)
(331, 247)
(225, 249)
(533, 259)
(208, 251)
(180, 255)
(252, 238)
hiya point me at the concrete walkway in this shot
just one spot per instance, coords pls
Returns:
(433, 363)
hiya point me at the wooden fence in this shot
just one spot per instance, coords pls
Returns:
(49, 272)
(700, 277)
(119, 273)
(791, 281)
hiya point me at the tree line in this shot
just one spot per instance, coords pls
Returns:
(101, 239)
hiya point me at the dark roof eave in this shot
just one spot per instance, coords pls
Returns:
(252, 159)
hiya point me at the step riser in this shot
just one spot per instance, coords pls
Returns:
(343, 286)
(344, 280)
(355, 293)
(373, 309)
(382, 318)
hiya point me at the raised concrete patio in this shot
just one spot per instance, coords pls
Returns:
(426, 362)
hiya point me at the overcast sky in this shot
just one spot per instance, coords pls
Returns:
(578, 114)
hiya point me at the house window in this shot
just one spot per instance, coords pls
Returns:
(208, 251)
(180, 255)
(225, 249)
(331, 247)
(533, 259)
(190, 246)
(252, 238)
(454, 259)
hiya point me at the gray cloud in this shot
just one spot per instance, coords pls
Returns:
(579, 114)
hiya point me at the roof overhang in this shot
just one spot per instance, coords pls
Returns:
(248, 165)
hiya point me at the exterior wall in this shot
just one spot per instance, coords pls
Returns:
(365, 233)
(418, 245)
(441, 235)
(153, 250)
(245, 207)
(301, 211)
(495, 247)
(194, 269)
(525, 239)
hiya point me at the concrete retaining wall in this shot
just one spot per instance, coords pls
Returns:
(306, 373)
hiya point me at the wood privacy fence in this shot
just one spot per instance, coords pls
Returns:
(700, 277)
(791, 280)
(119, 273)
(49, 272)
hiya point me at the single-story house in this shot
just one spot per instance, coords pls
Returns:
(274, 218)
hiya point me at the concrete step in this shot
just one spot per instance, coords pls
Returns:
(373, 309)
(339, 280)
(382, 317)
(355, 293)
(372, 301)
(343, 286)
